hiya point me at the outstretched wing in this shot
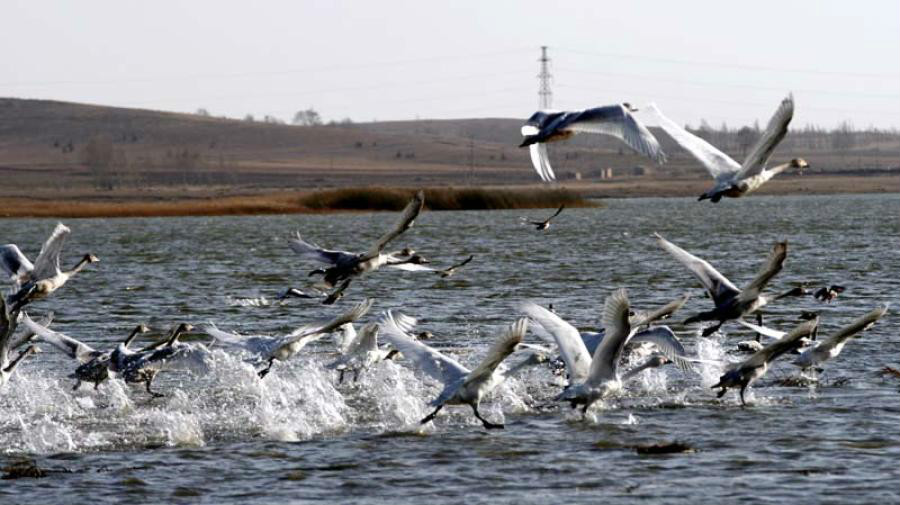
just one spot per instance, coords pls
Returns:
(316, 253)
(617, 331)
(769, 269)
(68, 345)
(47, 263)
(616, 121)
(664, 311)
(858, 325)
(775, 132)
(439, 366)
(763, 330)
(717, 163)
(409, 215)
(665, 340)
(567, 339)
(504, 346)
(541, 161)
(782, 345)
(718, 286)
(351, 315)
(14, 263)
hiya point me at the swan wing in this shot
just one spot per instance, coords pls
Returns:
(782, 345)
(617, 331)
(541, 161)
(503, 346)
(616, 121)
(768, 270)
(858, 325)
(664, 311)
(439, 366)
(316, 253)
(567, 339)
(405, 222)
(771, 137)
(762, 330)
(68, 345)
(15, 264)
(665, 340)
(350, 316)
(718, 164)
(47, 263)
(719, 287)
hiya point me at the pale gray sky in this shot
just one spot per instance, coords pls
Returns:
(722, 61)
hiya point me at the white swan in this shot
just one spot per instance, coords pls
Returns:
(142, 366)
(593, 377)
(731, 302)
(613, 120)
(345, 265)
(743, 374)
(38, 280)
(461, 385)
(362, 350)
(283, 348)
(831, 348)
(732, 179)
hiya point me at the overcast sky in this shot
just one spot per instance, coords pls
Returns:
(381, 60)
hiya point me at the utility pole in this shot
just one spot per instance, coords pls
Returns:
(545, 95)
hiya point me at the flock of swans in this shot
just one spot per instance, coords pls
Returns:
(593, 362)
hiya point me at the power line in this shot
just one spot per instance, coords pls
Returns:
(730, 65)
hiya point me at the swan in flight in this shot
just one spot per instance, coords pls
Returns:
(613, 120)
(543, 225)
(828, 293)
(594, 377)
(285, 347)
(829, 349)
(93, 364)
(38, 280)
(461, 385)
(345, 265)
(733, 179)
(731, 302)
(743, 374)
(7, 327)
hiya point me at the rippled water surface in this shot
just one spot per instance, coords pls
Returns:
(222, 435)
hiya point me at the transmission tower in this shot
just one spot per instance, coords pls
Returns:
(545, 95)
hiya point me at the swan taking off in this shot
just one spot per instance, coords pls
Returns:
(283, 348)
(613, 120)
(592, 378)
(38, 280)
(543, 225)
(744, 373)
(345, 265)
(93, 364)
(829, 349)
(733, 179)
(731, 302)
(461, 385)
(7, 328)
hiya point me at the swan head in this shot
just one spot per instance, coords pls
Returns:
(808, 315)
(799, 163)
(424, 335)
(529, 139)
(90, 258)
(657, 361)
(629, 107)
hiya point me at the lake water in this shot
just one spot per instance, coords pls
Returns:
(225, 436)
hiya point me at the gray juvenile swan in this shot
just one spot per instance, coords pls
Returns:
(733, 179)
(731, 302)
(613, 120)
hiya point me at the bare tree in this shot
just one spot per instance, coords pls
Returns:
(202, 112)
(308, 117)
(746, 137)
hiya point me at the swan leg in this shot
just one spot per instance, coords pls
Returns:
(721, 392)
(743, 402)
(487, 424)
(431, 416)
(265, 371)
(759, 321)
(355, 374)
(97, 385)
(77, 385)
(341, 377)
(152, 393)
(712, 329)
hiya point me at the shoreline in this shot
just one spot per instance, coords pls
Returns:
(291, 201)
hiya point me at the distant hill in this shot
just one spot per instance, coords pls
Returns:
(52, 146)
